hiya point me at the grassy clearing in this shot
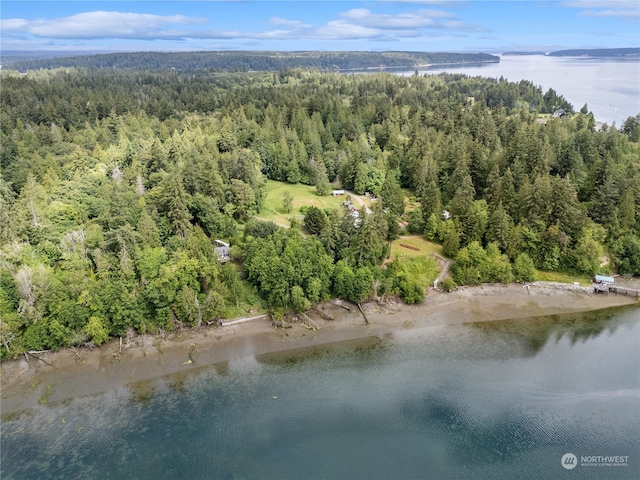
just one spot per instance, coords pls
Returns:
(562, 278)
(303, 195)
(247, 301)
(424, 247)
(410, 201)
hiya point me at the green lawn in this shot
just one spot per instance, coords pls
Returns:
(424, 247)
(303, 195)
(562, 278)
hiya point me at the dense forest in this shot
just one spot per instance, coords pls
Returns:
(116, 184)
(598, 52)
(244, 61)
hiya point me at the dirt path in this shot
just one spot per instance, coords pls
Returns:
(445, 269)
(360, 201)
(280, 224)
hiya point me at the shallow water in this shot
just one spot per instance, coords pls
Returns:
(484, 400)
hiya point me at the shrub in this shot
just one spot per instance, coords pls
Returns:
(448, 284)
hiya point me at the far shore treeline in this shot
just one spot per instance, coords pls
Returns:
(116, 184)
(244, 61)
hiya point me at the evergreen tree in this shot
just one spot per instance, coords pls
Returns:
(176, 200)
(499, 228)
(391, 195)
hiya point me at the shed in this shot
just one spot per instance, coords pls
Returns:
(602, 283)
(222, 250)
(603, 279)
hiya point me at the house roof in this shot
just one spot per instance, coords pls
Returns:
(602, 278)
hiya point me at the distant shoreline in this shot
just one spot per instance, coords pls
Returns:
(600, 53)
(416, 67)
(147, 358)
(248, 60)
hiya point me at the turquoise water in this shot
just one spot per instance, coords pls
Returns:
(489, 400)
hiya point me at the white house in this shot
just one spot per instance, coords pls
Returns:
(222, 250)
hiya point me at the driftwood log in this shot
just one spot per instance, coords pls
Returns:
(38, 358)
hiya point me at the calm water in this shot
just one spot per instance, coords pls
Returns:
(493, 400)
(610, 87)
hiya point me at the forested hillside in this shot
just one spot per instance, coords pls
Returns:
(255, 60)
(598, 52)
(115, 185)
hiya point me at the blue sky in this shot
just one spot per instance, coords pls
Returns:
(424, 25)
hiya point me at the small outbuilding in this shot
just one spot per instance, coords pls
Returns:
(602, 283)
(222, 250)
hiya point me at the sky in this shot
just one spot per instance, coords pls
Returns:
(414, 25)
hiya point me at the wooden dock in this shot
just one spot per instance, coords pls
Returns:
(630, 292)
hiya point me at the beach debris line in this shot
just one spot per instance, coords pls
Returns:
(279, 322)
(32, 353)
(308, 323)
(118, 354)
(323, 314)
(339, 304)
(366, 320)
(192, 347)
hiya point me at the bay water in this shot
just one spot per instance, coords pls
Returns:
(609, 86)
(503, 399)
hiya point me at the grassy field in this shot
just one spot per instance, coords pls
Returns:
(424, 247)
(562, 278)
(303, 195)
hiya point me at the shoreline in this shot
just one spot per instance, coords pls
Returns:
(80, 373)
(383, 68)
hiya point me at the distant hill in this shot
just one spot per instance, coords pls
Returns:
(8, 57)
(256, 60)
(600, 52)
(523, 53)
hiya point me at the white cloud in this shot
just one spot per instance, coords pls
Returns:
(419, 19)
(13, 24)
(359, 23)
(611, 13)
(101, 24)
(607, 8)
(615, 4)
(338, 30)
(431, 2)
(291, 23)
(457, 25)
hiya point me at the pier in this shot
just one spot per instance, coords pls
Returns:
(631, 292)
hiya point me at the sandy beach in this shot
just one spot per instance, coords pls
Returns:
(77, 373)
